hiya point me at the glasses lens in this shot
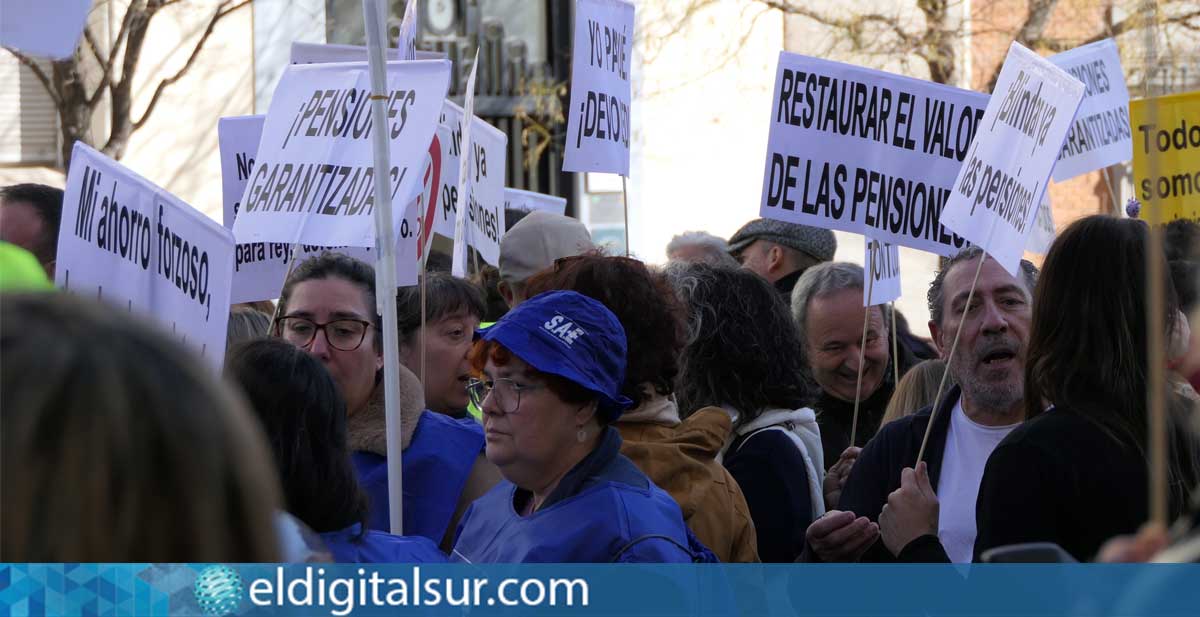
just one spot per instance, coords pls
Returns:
(297, 330)
(506, 395)
(477, 391)
(345, 334)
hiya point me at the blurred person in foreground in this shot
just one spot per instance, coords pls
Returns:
(304, 417)
(550, 375)
(120, 446)
(678, 455)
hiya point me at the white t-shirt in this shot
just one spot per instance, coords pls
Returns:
(968, 446)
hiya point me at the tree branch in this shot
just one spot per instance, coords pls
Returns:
(162, 85)
(37, 72)
(107, 66)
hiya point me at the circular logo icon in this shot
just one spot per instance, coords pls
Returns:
(218, 590)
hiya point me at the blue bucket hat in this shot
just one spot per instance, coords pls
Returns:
(568, 334)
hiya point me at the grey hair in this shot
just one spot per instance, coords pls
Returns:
(716, 250)
(246, 324)
(820, 280)
(934, 299)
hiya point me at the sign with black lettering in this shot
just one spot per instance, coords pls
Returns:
(1000, 185)
(1100, 135)
(259, 268)
(1043, 234)
(866, 151)
(485, 160)
(882, 266)
(1166, 158)
(313, 179)
(128, 242)
(598, 119)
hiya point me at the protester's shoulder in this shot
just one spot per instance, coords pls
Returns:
(405, 549)
(1052, 429)
(434, 421)
(771, 446)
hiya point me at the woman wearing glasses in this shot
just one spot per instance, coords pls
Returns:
(551, 373)
(327, 308)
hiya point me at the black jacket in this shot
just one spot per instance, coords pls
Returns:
(876, 474)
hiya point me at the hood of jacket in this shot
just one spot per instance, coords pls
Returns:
(367, 430)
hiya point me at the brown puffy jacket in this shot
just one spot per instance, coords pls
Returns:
(680, 458)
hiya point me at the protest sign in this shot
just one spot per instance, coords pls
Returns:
(1166, 154)
(1000, 185)
(486, 161)
(259, 268)
(865, 151)
(46, 28)
(528, 201)
(407, 41)
(324, 53)
(1043, 233)
(313, 176)
(128, 242)
(237, 140)
(598, 118)
(882, 264)
(1100, 135)
(459, 250)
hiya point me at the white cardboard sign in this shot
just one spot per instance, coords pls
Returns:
(484, 223)
(865, 151)
(458, 265)
(1100, 135)
(598, 120)
(407, 42)
(313, 176)
(46, 28)
(882, 265)
(999, 187)
(1043, 233)
(259, 268)
(516, 199)
(131, 243)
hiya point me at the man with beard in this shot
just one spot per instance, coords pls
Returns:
(928, 513)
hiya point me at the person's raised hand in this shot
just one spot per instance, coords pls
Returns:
(911, 510)
(835, 478)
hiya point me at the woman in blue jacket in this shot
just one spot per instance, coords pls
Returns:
(304, 418)
(551, 372)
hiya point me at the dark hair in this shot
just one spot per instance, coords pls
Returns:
(494, 306)
(743, 348)
(119, 445)
(644, 303)
(512, 217)
(934, 299)
(330, 265)
(48, 201)
(304, 417)
(563, 388)
(1185, 276)
(1181, 239)
(1088, 343)
(444, 295)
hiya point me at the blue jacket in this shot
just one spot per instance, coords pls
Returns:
(604, 510)
(436, 465)
(378, 547)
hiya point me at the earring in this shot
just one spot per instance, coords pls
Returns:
(581, 435)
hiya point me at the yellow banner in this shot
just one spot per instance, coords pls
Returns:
(1166, 154)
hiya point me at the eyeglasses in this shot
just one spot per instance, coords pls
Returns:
(507, 393)
(342, 334)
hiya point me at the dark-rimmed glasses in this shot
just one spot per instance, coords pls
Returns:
(506, 393)
(342, 334)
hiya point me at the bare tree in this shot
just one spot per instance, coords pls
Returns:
(77, 85)
(932, 33)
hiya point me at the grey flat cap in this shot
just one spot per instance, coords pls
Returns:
(814, 241)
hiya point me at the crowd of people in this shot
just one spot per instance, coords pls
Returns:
(574, 406)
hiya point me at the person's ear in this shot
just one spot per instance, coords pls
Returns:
(775, 258)
(936, 333)
(584, 414)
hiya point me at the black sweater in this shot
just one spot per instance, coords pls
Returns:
(1060, 478)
